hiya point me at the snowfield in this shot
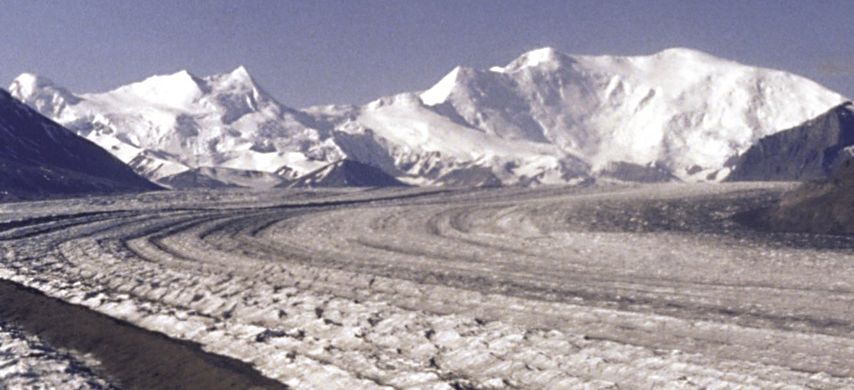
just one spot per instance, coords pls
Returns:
(599, 287)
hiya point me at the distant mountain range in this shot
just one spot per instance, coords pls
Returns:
(544, 118)
(39, 158)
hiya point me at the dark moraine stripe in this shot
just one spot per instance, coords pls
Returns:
(133, 357)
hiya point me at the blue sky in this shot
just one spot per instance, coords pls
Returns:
(319, 52)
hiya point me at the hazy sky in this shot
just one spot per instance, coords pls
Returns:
(316, 52)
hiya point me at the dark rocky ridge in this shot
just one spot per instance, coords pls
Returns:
(810, 151)
(625, 171)
(217, 177)
(347, 173)
(473, 176)
(193, 179)
(134, 357)
(821, 207)
(39, 158)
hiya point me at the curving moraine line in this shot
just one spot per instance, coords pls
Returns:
(620, 287)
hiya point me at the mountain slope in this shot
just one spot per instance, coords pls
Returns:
(809, 151)
(40, 158)
(545, 118)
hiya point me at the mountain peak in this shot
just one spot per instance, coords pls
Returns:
(688, 54)
(438, 93)
(182, 76)
(241, 72)
(176, 89)
(238, 79)
(27, 84)
(41, 92)
(239, 75)
(682, 51)
(27, 78)
(542, 54)
(542, 57)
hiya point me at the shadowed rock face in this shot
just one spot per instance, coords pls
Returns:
(40, 158)
(211, 178)
(475, 176)
(347, 173)
(825, 207)
(807, 152)
(637, 173)
(193, 179)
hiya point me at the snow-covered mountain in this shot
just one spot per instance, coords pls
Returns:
(40, 158)
(170, 124)
(682, 110)
(546, 117)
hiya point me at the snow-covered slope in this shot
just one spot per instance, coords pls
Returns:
(679, 109)
(424, 144)
(546, 117)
